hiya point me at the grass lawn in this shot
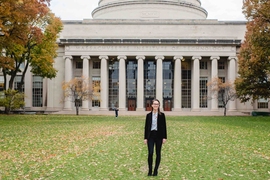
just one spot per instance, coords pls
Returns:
(104, 147)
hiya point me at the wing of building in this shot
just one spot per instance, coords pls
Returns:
(144, 49)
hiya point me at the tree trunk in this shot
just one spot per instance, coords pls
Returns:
(11, 81)
(21, 84)
(77, 110)
(225, 110)
(5, 79)
(7, 110)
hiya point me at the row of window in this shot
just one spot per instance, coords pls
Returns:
(203, 65)
(79, 64)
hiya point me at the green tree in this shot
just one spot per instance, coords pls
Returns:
(224, 91)
(80, 89)
(12, 100)
(254, 58)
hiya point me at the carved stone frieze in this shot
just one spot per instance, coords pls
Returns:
(145, 48)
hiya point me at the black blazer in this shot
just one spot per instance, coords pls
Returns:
(161, 123)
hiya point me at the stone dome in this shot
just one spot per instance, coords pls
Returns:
(149, 9)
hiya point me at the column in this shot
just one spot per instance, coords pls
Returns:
(122, 82)
(255, 105)
(177, 90)
(104, 83)
(28, 88)
(195, 84)
(68, 77)
(85, 74)
(140, 84)
(214, 74)
(159, 80)
(231, 78)
(50, 94)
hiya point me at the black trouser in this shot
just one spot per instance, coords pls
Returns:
(151, 142)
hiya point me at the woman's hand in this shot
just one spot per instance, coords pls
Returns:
(164, 141)
(145, 141)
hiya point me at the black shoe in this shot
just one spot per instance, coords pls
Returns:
(149, 173)
(155, 173)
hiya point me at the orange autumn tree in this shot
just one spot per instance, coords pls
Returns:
(28, 38)
(80, 89)
(254, 59)
(28, 34)
(223, 91)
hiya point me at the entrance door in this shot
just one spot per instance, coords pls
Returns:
(167, 105)
(148, 105)
(132, 105)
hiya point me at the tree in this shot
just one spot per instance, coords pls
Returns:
(12, 100)
(29, 34)
(80, 89)
(254, 58)
(224, 91)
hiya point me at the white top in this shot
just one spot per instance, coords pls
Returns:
(106, 2)
(149, 9)
(154, 121)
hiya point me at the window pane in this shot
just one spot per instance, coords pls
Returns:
(203, 92)
(113, 84)
(37, 98)
(263, 103)
(96, 64)
(79, 64)
(203, 65)
(186, 85)
(150, 79)
(221, 65)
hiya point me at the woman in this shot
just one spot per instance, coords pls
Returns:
(155, 134)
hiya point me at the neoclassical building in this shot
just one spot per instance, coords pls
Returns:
(143, 49)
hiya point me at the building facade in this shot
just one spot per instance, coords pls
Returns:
(139, 50)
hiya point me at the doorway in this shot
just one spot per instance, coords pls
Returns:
(167, 105)
(131, 104)
(148, 104)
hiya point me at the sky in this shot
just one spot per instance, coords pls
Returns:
(223, 10)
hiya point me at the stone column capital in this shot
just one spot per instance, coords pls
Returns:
(196, 57)
(178, 57)
(122, 57)
(159, 57)
(140, 57)
(68, 57)
(104, 57)
(232, 58)
(214, 57)
(85, 57)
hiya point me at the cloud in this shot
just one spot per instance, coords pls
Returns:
(73, 9)
(224, 10)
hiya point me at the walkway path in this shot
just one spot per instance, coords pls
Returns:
(143, 113)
